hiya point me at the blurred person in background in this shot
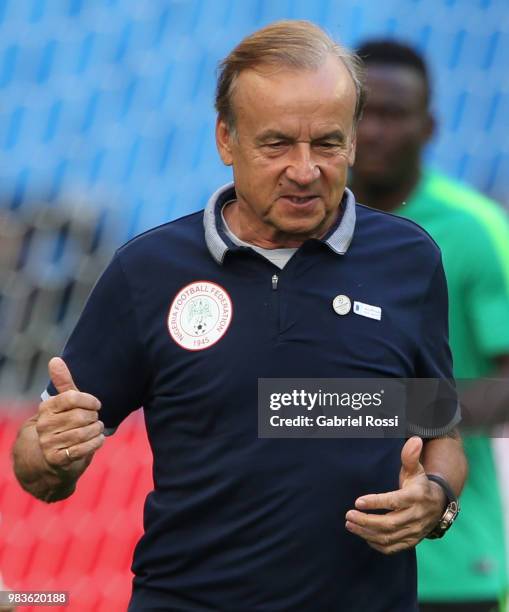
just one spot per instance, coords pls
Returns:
(235, 521)
(465, 571)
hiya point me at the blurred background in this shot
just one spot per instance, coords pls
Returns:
(106, 130)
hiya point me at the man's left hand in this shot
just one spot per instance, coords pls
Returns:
(413, 510)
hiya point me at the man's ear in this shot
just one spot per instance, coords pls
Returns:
(223, 142)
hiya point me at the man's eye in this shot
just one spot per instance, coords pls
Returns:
(327, 145)
(277, 144)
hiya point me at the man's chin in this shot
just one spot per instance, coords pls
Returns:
(302, 229)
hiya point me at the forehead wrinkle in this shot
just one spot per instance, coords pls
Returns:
(328, 132)
(253, 87)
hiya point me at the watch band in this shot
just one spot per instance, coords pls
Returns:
(451, 510)
(446, 487)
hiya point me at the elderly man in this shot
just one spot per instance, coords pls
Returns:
(188, 316)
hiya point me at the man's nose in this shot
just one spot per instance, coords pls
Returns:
(302, 168)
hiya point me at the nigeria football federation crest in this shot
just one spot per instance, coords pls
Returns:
(200, 315)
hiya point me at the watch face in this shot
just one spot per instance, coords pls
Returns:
(452, 512)
(445, 522)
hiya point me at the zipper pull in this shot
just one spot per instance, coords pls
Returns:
(275, 279)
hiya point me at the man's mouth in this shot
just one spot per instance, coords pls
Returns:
(300, 199)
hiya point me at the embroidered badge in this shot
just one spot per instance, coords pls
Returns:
(199, 315)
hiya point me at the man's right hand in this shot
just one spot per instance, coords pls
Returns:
(68, 425)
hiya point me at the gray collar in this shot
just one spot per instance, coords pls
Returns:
(218, 243)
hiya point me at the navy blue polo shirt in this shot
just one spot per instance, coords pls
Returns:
(183, 322)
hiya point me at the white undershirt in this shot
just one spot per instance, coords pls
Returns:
(279, 257)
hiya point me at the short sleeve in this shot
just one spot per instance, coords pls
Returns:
(104, 353)
(487, 292)
(434, 362)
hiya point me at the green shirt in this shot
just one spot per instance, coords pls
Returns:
(473, 234)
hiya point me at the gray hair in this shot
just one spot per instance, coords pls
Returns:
(292, 43)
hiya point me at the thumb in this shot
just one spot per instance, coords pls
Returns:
(60, 375)
(410, 456)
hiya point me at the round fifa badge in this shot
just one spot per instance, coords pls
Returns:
(341, 304)
(199, 315)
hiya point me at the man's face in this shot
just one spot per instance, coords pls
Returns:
(395, 126)
(293, 145)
